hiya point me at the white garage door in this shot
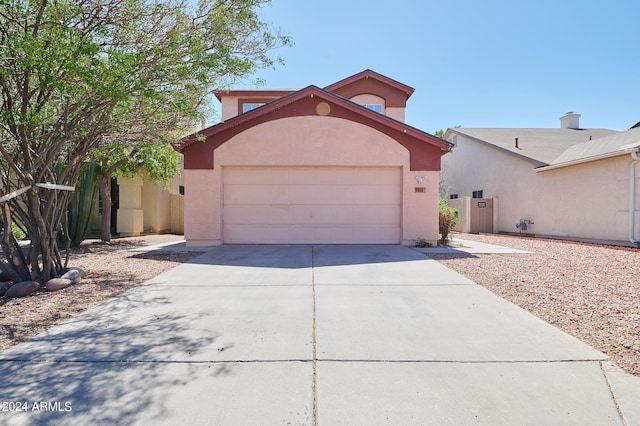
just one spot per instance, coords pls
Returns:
(303, 205)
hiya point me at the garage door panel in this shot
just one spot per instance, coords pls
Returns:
(268, 215)
(377, 195)
(375, 234)
(324, 194)
(256, 175)
(382, 215)
(303, 205)
(256, 194)
(379, 176)
(249, 234)
(312, 194)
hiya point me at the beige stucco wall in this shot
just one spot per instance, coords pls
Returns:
(229, 107)
(591, 199)
(464, 213)
(585, 201)
(308, 141)
(177, 214)
(130, 214)
(147, 206)
(156, 205)
(394, 112)
(369, 99)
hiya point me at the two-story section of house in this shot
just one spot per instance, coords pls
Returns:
(333, 165)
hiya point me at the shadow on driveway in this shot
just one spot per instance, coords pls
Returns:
(305, 256)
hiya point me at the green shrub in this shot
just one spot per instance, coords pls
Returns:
(448, 218)
(17, 232)
(422, 243)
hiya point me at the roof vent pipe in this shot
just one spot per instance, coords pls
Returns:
(517, 143)
(570, 121)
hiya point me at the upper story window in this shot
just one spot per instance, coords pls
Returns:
(374, 107)
(478, 194)
(249, 106)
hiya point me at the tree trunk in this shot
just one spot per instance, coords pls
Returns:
(105, 193)
(16, 265)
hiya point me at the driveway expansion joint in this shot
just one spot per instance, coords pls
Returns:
(314, 385)
(447, 361)
(613, 396)
(137, 361)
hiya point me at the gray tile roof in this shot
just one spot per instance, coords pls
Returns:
(620, 142)
(540, 145)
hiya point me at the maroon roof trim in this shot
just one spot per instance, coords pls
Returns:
(254, 93)
(425, 149)
(371, 74)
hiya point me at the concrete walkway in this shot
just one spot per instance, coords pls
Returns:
(471, 247)
(305, 335)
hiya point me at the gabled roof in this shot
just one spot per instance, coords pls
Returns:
(609, 146)
(539, 146)
(335, 87)
(394, 93)
(304, 103)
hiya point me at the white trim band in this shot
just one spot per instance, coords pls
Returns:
(45, 185)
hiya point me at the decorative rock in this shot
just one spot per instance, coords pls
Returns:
(55, 284)
(22, 289)
(4, 277)
(73, 275)
(76, 268)
(4, 287)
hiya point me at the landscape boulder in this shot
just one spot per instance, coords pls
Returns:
(4, 286)
(55, 284)
(21, 289)
(73, 275)
(76, 268)
(4, 277)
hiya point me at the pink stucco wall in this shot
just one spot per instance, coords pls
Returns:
(309, 141)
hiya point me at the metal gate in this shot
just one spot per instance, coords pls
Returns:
(481, 215)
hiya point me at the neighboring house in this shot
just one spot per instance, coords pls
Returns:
(140, 206)
(567, 182)
(332, 165)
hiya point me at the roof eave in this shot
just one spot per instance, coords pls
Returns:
(371, 74)
(312, 90)
(588, 159)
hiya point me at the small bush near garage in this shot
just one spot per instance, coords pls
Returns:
(448, 218)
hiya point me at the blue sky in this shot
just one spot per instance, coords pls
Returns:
(490, 63)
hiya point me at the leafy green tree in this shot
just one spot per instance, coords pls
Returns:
(79, 78)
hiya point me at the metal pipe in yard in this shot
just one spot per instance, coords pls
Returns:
(632, 196)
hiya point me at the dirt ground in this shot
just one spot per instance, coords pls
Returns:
(110, 269)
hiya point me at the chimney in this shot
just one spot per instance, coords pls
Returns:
(570, 121)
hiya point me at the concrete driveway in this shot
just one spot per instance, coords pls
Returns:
(305, 335)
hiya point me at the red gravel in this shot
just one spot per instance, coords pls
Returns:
(590, 291)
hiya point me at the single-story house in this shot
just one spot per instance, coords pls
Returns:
(569, 182)
(317, 165)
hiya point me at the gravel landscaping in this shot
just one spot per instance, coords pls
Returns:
(110, 269)
(589, 291)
